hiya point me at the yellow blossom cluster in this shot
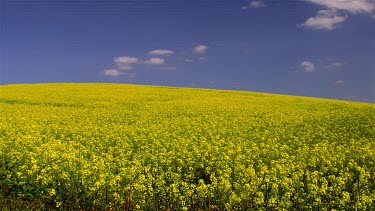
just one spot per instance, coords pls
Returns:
(132, 147)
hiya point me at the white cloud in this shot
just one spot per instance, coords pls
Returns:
(126, 60)
(332, 63)
(122, 66)
(308, 66)
(160, 52)
(254, 4)
(203, 58)
(155, 61)
(325, 19)
(335, 65)
(352, 6)
(200, 48)
(339, 82)
(330, 18)
(112, 72)
(188, 60)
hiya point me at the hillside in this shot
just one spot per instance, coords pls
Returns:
(100, 146)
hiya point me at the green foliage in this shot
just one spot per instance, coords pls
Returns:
(128, 147)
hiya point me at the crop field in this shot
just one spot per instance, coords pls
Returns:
(131, 147)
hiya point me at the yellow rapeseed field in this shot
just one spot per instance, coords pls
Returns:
(131, 147)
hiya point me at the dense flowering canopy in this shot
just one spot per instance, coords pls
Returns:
(98, 146)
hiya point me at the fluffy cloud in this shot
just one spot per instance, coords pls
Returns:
(352, 6)
(339, 82)
(112, 72)
(122, 66)
(202, 58)
(200, 48)
(330, 18)
(254, 4)
(126, 60)
(332, 63)
(115, 73)
(155, 61)
(160, 52)
(325, 19)
(335, 65)
(308, 66)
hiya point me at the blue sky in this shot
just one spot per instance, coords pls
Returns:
(322, 48)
